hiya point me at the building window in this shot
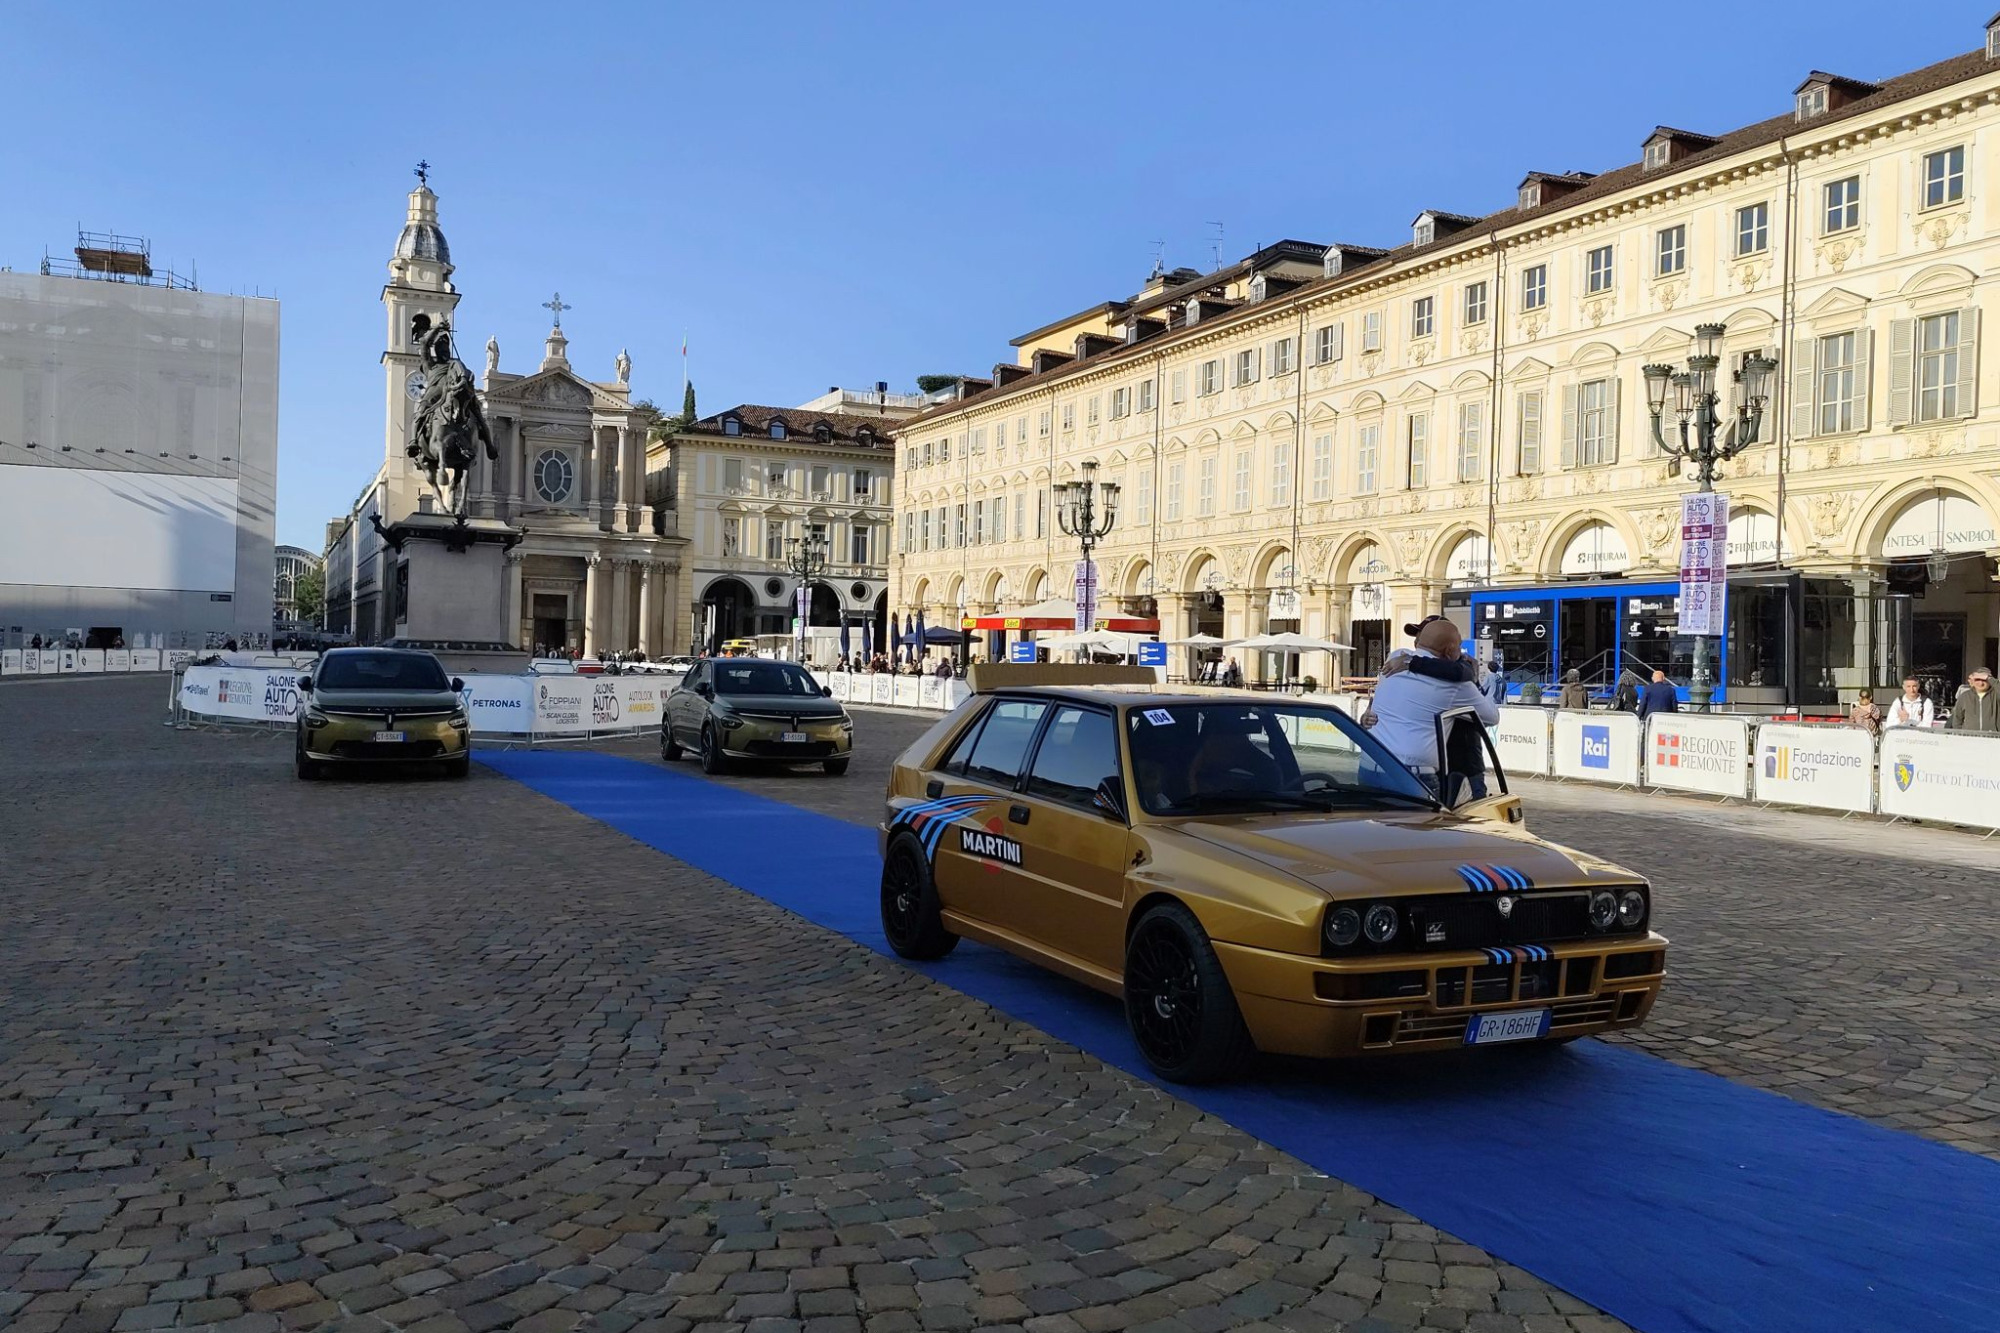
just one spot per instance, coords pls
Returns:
(924, 530)
(1529, 460)
(1042, 424)
(979, 522)
(1090, 411)
(732, 535)
(858, 544)
(1204, 500)
(1944, 177)
(1367, 453)
(864, 485)
(1424, 233)
(1239, 491)
(1836, 384)
(1322, 467)
(1843, 204)
(1020, 517)
(555, 476)
(1812, 102)
(909, 531)
(1535, 287)
(958, 525)
(944, 449)
(1177, 387)
(774, 539)
(1176, 477)
(1658, 153)
(1670, 250)
(943, 527)
(1208, 378)
(1471, 440)
(927, 453)
(731, 426)
(777, 430)
(1121, 403)
(820, 482)
(1069, 416)
(1327, 344)
(1593, 423)
(1282, 356)
(1423, 321)
(1597, 270)
(1041, 514)
(816, 534)
(998, 507)
(1246, 366)
(1937, 367)
(976, 440)
(1281, 472)
(1753, 229)
(1417, 448)
(1371, 331)
(1142, 505)
(732, 475)
(1146, 391)
(1475, 303)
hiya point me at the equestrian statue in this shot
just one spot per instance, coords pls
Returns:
(450, 425)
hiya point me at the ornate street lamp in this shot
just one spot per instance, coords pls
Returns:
(1701, 439)
(805, 557)
(1078, 506)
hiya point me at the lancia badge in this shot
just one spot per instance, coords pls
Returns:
(1506, 907)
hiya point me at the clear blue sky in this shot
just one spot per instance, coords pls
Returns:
(824, 193)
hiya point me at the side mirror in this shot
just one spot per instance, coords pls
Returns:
(1108, 801)
(457, 685)
(826, 691)
(305, 684)
(705, 690)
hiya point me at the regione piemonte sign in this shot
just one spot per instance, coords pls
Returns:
(1704, 562)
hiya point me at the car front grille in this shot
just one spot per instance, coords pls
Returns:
(1475, 922)
(1451, 1027)
(794, 750)
(387, 749)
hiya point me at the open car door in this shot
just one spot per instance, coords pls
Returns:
(1470, 778)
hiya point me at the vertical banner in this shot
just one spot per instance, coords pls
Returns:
(1086, 595)
(1704, 562)
(10, 661)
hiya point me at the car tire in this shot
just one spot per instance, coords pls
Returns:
(1178, 1004)
(308, 770)
(712, 761)
(670, 749)
(910, 916)
(459, 767)
(836, 765)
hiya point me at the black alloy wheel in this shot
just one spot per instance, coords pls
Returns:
(1178, 1002)
(712, 761)
(459, 767)
(306, 769)
(910, 904)
(670, 749)
(836, 765)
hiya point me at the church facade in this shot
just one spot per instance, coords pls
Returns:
(598, 566)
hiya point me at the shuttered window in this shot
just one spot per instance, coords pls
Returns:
(1367, 455)
(1590, 423)
(1471, 440)
(1417, 448)
(1322, 467)
(1528, 460)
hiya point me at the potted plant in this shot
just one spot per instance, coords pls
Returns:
(1531, 694)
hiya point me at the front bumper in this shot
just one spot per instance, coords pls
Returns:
(758, 739)
(1298, 1005)
(352, 741)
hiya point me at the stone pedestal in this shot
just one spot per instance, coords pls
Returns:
(449, 582)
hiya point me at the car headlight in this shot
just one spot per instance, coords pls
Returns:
(1380, 923)
(1603, 910)
(315, 719)
(1631, 908)
(726, 720)
(1343, 927)
(459, 720)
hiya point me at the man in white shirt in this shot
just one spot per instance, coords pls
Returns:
(1407, 704)
(1911, 708)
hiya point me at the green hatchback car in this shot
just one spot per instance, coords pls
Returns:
(735, 708)
(381, 706)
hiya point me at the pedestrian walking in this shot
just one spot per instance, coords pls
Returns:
(1978, 709)
(1911, 708)
(1626, 697)
(1575, 697)
(1659, 697)
(1865, 714)
(1494, 686)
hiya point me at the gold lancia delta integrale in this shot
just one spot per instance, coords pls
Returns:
(1251, 872)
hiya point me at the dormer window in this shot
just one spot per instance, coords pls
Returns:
(1658, 153)
(1258, 288)
(777, 429)
(1993, 39)
(1424, 232)
(1330, 262)
(823, 433)
(1812, 101)
(865, 435)
(1194, 310)
(731, 426)
(1531, 195)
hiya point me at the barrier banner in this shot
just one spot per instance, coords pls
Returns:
(498, 705)
(606, 711)
(241, 693)
(66, 660)
(956, 692)
(1703, 752)
(1828, 768)
(1936, 775)
(51, 661)
(908, 693)
(1522, 740)
(642, 701)
(144, 659)
(1596, 747)
(841, 683)
(562, 704)
(10, 661)
(884, 690)
(90, 659)
(930, 692)
(117, 659)
(176, 658)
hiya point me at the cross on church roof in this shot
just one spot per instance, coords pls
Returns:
(555, 304)
(423, 173)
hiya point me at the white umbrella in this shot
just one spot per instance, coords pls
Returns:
(1293, 643)
(1202, 641)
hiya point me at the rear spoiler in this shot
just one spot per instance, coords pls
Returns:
(985, 677)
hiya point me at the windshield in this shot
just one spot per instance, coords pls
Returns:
(1211, 757)
(752, 675)
(380, 671)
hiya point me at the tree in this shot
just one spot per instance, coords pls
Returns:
(664, 428)
(309, 595)
(688, 414)
(933, 383)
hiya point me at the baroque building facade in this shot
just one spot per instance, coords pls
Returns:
(1341, 438)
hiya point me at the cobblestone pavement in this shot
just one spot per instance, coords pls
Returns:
(445, 1056)
(1847, 963)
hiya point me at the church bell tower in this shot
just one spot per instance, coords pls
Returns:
(419, 296)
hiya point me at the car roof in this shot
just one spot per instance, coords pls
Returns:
(1130, 696)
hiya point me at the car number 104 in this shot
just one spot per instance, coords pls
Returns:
(1517, 1025)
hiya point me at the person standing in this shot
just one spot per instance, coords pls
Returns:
(1408, 702)
(1978, 709)
(1659, 697)
(1494, 686)
(1865, 714)
(1575, 696)
(1911, 708)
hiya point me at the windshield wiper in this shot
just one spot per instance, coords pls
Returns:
(1349, 795)
(1209, 800)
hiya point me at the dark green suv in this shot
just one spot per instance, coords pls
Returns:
(735, 708)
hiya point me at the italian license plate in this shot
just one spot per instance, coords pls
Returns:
(1515, 1025)
(388, 737)
(793, 738)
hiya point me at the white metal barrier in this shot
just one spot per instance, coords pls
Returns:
(87, 661)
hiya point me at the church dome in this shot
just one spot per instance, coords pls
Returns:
(422, 238)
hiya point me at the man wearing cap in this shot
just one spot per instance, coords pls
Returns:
(1407, 703)
(1978, 709)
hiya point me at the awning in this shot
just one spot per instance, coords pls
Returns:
(1058, 613)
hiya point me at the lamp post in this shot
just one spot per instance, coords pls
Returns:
(1702, 441)
(806, 558)
(1077, 512)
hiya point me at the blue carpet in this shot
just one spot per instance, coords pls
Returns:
(1670, 1198)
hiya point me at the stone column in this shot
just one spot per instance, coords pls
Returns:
(524, 487)
(592, 586)
(516, 559)
(609, 477)
(648, 608)
(587, 479)
(632, 467)
(621, 603)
